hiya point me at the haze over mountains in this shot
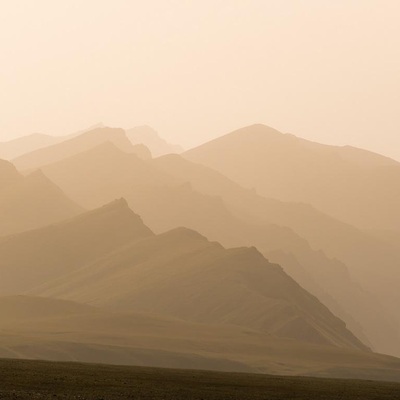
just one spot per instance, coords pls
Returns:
(169, 192)
(150, 138)
(30, 202)
(355, 186)
(143, 135)
(258, 238)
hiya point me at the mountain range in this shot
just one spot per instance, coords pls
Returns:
(258, 251)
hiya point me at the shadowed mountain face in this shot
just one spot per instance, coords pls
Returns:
(150, 138)
(30, 202)
(77, 144)
(33, 257)
(355, 186)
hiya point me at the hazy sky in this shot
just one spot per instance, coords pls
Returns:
(327, 70)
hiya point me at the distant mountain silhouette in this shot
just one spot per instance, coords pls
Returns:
(30, 202)
(101, 174)
(353, 185)
(31, 258)
(150, 138)
(182, 274)
(77, 144)
(159, 191)
(16, 147)
(26, 144)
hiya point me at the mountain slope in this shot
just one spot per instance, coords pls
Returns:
(157, 191)
(77, 144)
(337, 181)
(16, 147)
(31, 258)
(315, 264)
(103, 173)
(30, 202)
(182, 274)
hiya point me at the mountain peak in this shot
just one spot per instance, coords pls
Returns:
(258, 129)
(114, 215)
(117, 204)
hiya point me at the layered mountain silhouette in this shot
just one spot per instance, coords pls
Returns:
(25, 144)
(257, 251)
(30, 202)
(149, 137)
(353, 185)
(77, 144)
(179, 273)
(103, 173)
(170, 191)
(31, 258)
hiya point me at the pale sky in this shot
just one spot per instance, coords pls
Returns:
(325, 70)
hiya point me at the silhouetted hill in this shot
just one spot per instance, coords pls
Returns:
(182, 274)
(31, 258)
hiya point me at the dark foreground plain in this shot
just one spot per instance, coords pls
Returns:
(20, 379)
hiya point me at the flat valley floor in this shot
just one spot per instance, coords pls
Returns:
(20, 379)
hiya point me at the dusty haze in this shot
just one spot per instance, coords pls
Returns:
(201, 185)
(324, 70)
